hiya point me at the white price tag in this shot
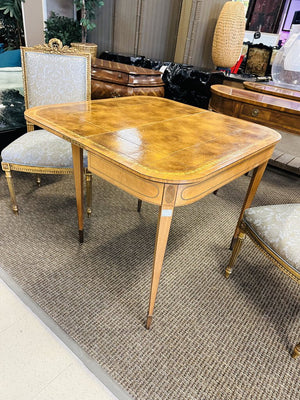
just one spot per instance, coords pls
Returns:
(167, 213)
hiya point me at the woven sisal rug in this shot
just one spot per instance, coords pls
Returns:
(211, 338)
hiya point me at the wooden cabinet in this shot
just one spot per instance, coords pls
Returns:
(113, 79)
(275, 112)
(280, 113)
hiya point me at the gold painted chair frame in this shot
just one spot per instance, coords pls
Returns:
(245, 229)
(54, 47)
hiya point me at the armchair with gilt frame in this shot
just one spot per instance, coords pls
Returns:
(275, 229)
(52, 74)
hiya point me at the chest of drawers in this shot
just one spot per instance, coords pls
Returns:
(280, 113)
(113, 79)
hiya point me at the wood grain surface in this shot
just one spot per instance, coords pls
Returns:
(273, 90)
(167, 153)
(275, 112)
(156, 138)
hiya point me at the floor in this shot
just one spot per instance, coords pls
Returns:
(36, 364)
(286, 154)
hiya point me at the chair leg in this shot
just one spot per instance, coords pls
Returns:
(88, 181)
(235, 253)
(11, 189)
(139, 206)
(296, 351)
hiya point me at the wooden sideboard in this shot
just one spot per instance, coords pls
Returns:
(282, 114)
(113, 79)
(273, 90)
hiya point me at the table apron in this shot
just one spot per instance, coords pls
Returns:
(144, 189)
(187, 193)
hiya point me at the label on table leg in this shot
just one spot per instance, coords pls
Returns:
(166, 213)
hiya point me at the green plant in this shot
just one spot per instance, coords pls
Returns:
(13, 8)
(63, 28)
(87, 9)
(8, 33)
(12, 17)
(12, 111)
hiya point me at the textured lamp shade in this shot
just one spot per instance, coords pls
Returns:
(229, 35)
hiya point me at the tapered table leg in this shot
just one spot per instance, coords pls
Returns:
(253, 185)
(139, 206)
(162, 234)
(78, 178)
(88, 182)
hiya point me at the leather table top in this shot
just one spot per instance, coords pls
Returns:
(157, 138)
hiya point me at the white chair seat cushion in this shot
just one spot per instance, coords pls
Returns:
(40, 148)
(279, 227)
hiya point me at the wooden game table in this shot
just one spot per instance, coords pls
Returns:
(160, 151)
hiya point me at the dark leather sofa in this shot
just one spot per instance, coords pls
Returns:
(183, 83)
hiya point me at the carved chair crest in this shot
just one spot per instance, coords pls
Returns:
(54, 46)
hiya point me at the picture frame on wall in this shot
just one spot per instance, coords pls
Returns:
(258, 59)
(293, 6)
(264, 15)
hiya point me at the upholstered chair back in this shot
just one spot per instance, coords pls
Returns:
(52, 74)
(51, 78)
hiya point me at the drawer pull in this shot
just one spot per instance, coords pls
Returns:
(119, 76)
(255, 112)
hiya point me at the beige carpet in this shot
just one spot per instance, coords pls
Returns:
(211, 338)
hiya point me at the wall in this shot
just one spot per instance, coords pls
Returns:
(138, 27)
(33, 20)
(180, 30)
(284, 35)
(61, 7)
(196, 47)
(168, 30)
(35, 12)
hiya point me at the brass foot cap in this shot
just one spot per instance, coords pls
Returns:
(139, 205)
(227, 273)
(149, 320)
(296, 353)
